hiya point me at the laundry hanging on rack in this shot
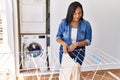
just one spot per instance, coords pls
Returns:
(69, 70)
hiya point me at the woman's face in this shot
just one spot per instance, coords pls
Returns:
(77, 14)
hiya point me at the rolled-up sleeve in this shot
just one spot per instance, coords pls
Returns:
(88, 34)
(60, 31)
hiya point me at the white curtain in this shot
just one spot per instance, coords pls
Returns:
(4, 47)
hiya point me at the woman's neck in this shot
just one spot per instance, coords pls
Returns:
(74, 24)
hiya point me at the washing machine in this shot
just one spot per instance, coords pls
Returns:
(33, 52)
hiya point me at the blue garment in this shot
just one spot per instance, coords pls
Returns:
(84, 32)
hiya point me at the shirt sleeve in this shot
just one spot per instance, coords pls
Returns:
(60, 31)
(88, 34)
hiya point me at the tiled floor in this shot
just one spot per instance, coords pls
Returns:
(100, 75)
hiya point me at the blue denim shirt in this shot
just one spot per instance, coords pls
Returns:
(84, 32)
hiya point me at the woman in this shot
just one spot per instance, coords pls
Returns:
(74, 33)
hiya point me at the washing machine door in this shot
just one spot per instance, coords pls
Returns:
(34, 49)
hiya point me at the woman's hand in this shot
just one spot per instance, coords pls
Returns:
(72, 47)
(65, 48)
(64, 44)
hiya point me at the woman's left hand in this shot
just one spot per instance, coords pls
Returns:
(72, 47)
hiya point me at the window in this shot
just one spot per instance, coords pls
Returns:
(4, 48)
(1, 31)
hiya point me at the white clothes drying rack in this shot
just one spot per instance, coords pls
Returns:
(95, 60)
(95, 57)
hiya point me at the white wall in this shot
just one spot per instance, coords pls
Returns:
(104, 16)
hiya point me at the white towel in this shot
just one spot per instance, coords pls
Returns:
(69, 70)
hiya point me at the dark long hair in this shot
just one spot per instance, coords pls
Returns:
(71, 9)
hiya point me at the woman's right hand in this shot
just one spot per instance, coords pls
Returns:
(65, 48)
(64, 44)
